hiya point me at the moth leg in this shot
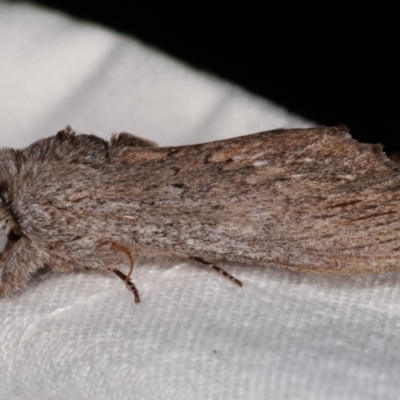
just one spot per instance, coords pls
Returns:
(7, 250)
(130, 285)
(23, 260)
(126, 278)
(218, 269)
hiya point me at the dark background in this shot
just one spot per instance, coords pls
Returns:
(326, 65)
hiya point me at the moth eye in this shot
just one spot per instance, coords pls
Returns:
(16, 230)
(15, 233)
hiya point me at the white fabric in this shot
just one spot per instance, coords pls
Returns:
(195, 335)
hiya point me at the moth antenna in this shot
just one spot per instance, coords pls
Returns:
(219, 270)
(126, 278)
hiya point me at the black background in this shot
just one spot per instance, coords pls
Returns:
(327, 65)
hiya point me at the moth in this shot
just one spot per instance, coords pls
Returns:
(305, 199)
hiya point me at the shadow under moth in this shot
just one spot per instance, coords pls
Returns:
(305, 199)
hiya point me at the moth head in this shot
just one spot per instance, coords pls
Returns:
(8, 224)
(9, 232)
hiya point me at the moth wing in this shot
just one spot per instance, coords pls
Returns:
(309, 199)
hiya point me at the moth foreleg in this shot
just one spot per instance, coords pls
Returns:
(218, 269)
(7, 250)
(23, 260)
(129, 284)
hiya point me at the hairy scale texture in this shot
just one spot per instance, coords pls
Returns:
(306, 199)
